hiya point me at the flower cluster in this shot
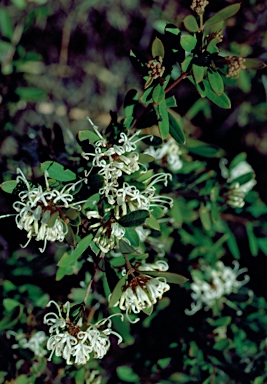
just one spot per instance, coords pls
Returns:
(40, 210)
(74, 344)
(220, 281)
(34, 343)
(169, 152)
(115, 161)
(199, 6)
(235, 65)
(143, 291)
(236, 191)
(155, 68)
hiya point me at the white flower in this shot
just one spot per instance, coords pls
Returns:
(159, 265)
(39, 210)
(35, 343)
(94, 378)
(169, 150)
(142, 292)
(222, 281)
(71, 342)
(241, 169)
(236, 191)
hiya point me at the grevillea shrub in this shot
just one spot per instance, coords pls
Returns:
(126, 262)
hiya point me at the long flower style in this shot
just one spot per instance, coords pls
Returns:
(221, 282)
(74, 344)
(39, 210)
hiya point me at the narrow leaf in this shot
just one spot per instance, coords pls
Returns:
(251, 63)
(117, 292)
(222, 100)
(223, 14)
(176, 130)
(148, 311)
(67, 259)
(163, 120)
(170, 277)
(153, 223)
(204, 215)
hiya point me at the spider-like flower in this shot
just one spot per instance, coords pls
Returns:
(76, 342)
(220, 281)
(237, 192)
(168, 151)
(40, 210)
(35, 343)
(140, 293)
(107, 236)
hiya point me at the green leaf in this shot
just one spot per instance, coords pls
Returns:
(70, 236)
(148, 311)
(127, 374)
(222, 100)
(9, 186)
(223, 14)
(216, 82)
(144, 176)
(52, 219)
(92, 201)
(170, 277)
(237, 159)
(251, 63)
(243, 179)
(176, 130)
(171, 28)
(204, 150)
(153, 223)
(11, 318)
(191, 24)
(83, 244)
(221, 322)
(158, 94)
(30, 94)
(221, 345)
(198, 73)
(56, 171)
(205, 218)
(253, 245)
(10, 304)
(133, 219)
(163, 120)
(88, 135)
(171, 102)
(117, 292)
(144, 158)
(146, 98)
(157, 48)
(126, 248)
(132, 236)
(6, 26)
(148, 82)
(130, 104)
(212, 46)
(188, 42)
(186, 63)
(21, 4)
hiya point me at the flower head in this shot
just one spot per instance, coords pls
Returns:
(76, 342)
(170, 152)
(39, 210)
(220, 281)
(35, 343)
(142, 292)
